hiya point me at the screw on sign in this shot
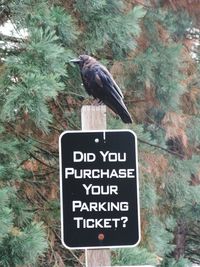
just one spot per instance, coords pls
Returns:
(99, 189)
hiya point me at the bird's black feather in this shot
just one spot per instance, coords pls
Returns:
(99, 83)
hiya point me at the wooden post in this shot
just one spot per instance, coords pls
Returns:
(98, 258)
(94, 118)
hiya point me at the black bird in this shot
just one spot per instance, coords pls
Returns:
(99, 83)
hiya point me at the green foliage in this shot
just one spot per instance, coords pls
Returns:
(18, 245)
(160, 240)
(6, 215)
(54, 207)
(13, 152)
(109, 15)
(64, 26)
(23, 247)
(44, 14)
(163, 71)
(169, 262)
(139, 129)
(140, 132)
(92, 8)
(192, 242)
(33, 77)
(180, 195)
(176, 23)
(193, 131)
(22, 212)
(148, 196)
(133, 256)
(36, 81)
(157, 133)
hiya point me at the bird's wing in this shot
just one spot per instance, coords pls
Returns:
(111, 80)
(105, 80)
(110, 95)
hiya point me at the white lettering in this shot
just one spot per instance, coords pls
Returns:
(97, 223)
(76, 204)
(87, 188)
(80, 206)
(79, 156)
(68, 171)
(101, 189)
(98, 173)
(104, 155)
(113, 156)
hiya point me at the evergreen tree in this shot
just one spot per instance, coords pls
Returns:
(152, 54)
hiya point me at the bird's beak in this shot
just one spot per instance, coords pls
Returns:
(75, 60)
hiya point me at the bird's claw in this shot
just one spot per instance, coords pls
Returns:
(97, 102)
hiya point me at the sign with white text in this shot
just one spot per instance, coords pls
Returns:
(99, 189)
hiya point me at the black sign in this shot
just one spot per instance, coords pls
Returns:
(99, 189)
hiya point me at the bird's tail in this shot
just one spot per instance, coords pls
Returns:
(118, 106)
(125, 116)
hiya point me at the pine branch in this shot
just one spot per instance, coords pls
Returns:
(75, 94)
(42, 162)
(42, 196)
(25, 137)
(160, 147)
(44, 151)
(39, 175)
(136, 101)
(9, 38)
(141, 3)
(11, 51)
(55, 128)
(73, 124)
(58, 236)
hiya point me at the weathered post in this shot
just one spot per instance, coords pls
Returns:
(94, 118)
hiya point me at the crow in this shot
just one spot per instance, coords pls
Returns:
(99, 83)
